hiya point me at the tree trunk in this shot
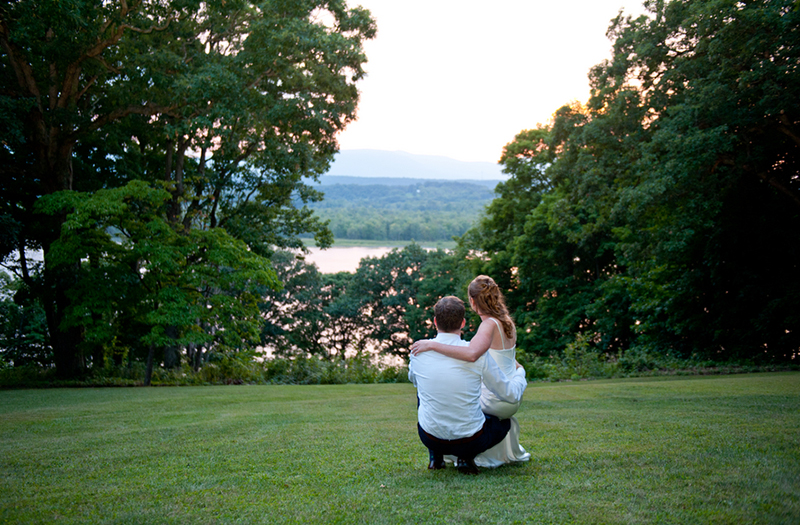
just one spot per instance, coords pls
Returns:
(68, 359)
(148, 373)
(65, 343)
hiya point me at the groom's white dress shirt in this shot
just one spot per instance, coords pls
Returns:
(449, 390)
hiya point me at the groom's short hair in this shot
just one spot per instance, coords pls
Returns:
(449, 313)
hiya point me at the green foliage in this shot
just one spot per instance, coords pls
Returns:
(221, 369)
(390, 299)
(23, 327)
(385, 225)
(662, 218)
(177, 288)
(313, 371)
(158, 154)
(380, 309)
(295, 318)
(224, 107)
(425, 211)
(581, 361)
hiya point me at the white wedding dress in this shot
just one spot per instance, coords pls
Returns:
(509, 450)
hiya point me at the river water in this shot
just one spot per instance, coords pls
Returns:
(332, 260)
(340, 259)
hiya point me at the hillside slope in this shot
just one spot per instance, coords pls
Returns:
(421, 210)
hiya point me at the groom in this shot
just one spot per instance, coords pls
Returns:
(449, 417)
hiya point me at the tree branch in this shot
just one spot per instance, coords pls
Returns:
(22, 69)
(148, 109)
(170, 19)
(83, 91)
(775, 183)
(784, 127)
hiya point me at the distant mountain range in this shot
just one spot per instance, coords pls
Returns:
(401, 165)
(331, 180)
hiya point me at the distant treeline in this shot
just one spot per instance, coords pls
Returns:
(422, 211)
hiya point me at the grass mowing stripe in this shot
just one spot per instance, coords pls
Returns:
(722, 449)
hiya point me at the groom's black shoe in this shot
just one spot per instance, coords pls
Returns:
(436, 461)
(467, 466)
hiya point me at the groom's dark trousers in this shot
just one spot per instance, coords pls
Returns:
(492, 433)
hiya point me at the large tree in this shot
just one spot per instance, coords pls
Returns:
(669, 216)
(226, 105)
(713, 216)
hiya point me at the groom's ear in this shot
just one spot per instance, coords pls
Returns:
(434, 324)
(463, 323)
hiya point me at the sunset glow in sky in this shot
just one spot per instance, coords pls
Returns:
(460, 78)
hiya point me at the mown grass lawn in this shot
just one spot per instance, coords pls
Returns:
(678, 450)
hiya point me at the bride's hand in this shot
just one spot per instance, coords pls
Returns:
(420, 346)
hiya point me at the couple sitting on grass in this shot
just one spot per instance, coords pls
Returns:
(466, 397)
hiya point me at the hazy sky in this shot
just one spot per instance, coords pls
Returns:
(461, 78)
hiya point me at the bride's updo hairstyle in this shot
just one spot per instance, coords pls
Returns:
(488, 298)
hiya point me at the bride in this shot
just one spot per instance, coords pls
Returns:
(498, 335)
